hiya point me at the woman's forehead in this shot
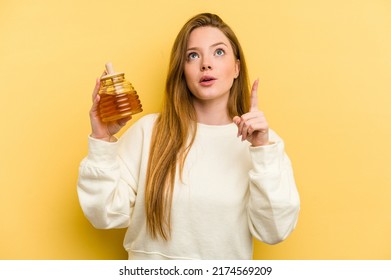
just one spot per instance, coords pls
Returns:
(206, 36)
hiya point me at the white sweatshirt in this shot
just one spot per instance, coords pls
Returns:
(230, 192)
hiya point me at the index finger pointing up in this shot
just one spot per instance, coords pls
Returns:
(254, 96)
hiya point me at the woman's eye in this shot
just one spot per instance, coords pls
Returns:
(220, 52)
(192, 56)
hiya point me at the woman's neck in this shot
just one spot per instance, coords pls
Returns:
(212, 113)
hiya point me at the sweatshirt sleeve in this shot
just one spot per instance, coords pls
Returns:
(106, 190)
(274, 202)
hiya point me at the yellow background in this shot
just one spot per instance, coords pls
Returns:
(325, 70)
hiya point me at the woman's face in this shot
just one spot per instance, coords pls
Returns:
(211, 65)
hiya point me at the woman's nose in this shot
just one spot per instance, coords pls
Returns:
(206, 64)
(206, 67)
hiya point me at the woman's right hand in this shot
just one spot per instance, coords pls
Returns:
(102, 130)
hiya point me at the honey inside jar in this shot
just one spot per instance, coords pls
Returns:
(118, 98)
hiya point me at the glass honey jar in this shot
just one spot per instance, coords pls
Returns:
(118, 98)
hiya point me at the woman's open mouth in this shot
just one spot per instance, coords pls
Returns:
(207, 80)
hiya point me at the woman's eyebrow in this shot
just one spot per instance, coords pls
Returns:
(211, 46)
(219, 43)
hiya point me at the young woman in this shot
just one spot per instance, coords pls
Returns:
(203, 177)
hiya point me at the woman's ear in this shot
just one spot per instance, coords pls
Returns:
(237, 68)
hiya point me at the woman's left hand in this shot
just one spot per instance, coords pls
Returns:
(253, 126)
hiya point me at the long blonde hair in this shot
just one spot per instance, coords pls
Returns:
(175, 128)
